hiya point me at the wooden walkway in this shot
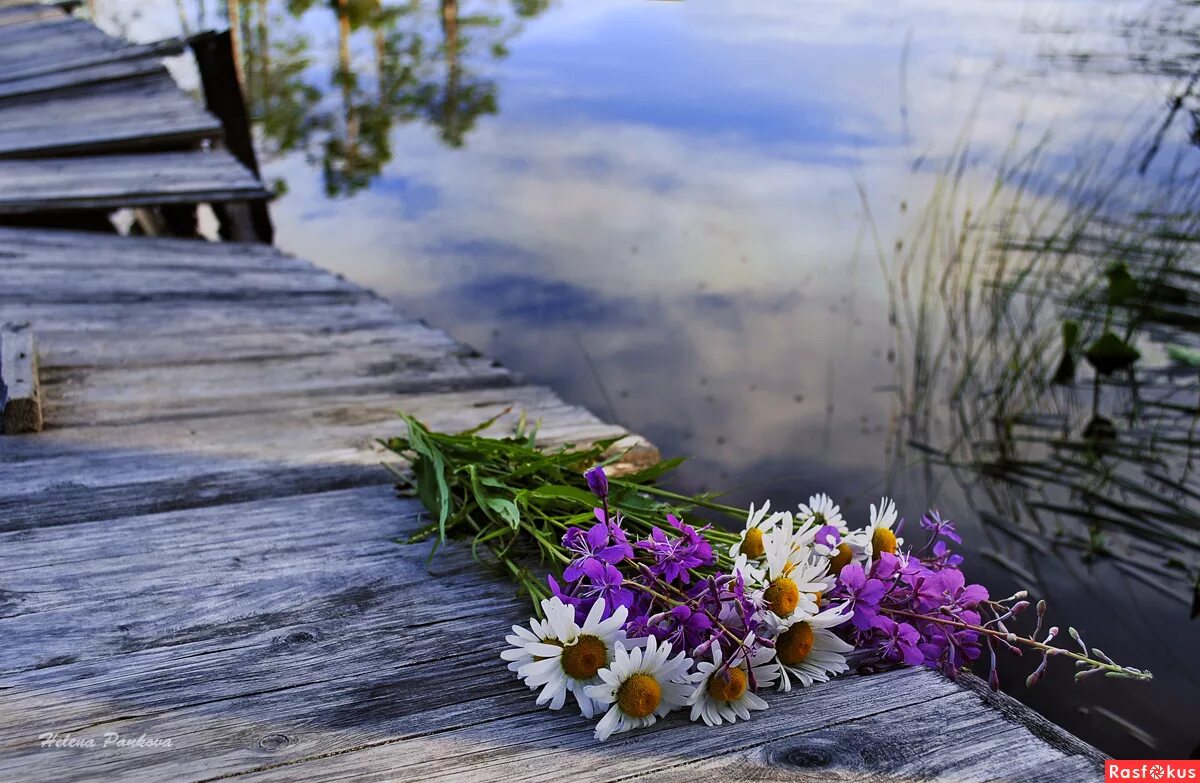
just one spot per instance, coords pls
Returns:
(91, 123)
(199, 549)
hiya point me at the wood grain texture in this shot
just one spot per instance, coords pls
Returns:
(33, 88)
(24, 14)
(131, 115)
(20, 386)
(111, 181)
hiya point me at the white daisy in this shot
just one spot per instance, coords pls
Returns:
(571, 656)
(822, 511)
(641, 686)
(758, 523)
(520, 639)
(809, 652)
(879, 536)
(723, 694)
(793, 582)
(752, 572)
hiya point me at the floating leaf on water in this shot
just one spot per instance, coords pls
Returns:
(1181, 354)
(1110, 353)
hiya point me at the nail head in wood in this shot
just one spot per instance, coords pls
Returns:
(20, 392)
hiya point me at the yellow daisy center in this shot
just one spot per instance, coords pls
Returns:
(794, 644)
(841, 559)
(584, 658)
(782, 595)
(752, 544)
(883, 540)
(730, 689)
(639, 695)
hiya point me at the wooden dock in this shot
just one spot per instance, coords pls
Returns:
(199, 547)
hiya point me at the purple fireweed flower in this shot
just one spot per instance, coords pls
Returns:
(937, 526)
(886, 567)
(897, 642)
(864, 594)
(595, 544)
(957, 593)
(948, 648)
(944, 557)
(581, 607)
(683, 627)
(616, 531)
(674, 555)
(605, 581)
(598, 482)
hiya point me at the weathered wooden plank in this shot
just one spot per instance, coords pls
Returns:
(113, 181)
(233, 659)
(22, 14)
(334, 312)
(130, 115)
(75, 250)
(20, 387)
(57, 284)
(36, 88)
(70, 60)
(79, 475)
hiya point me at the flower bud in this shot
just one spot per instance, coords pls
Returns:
(597, 482)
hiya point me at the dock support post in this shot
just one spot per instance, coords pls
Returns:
(223, 97)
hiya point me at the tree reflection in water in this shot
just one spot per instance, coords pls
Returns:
(425, 64)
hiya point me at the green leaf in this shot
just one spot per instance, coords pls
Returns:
(1110, 353)
(481, 427)
(430, 471)
(1070, 334)
(564, 491)
(1181, 354)
(1122, 287)
(507, 511)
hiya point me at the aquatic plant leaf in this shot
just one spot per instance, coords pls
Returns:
(1110, 353)
(1181, 354)
(1065, 374)
(1122, 287)
(1070, 334)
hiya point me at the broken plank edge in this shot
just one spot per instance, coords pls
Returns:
(20, 391)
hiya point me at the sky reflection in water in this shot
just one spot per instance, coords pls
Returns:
(662, 220)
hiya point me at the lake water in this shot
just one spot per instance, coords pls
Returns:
(767, 236)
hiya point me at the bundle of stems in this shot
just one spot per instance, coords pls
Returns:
(514, 500)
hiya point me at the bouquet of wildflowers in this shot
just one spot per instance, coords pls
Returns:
(639, 617)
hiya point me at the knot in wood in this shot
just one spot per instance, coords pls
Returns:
(275, 742)
(302, 636)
